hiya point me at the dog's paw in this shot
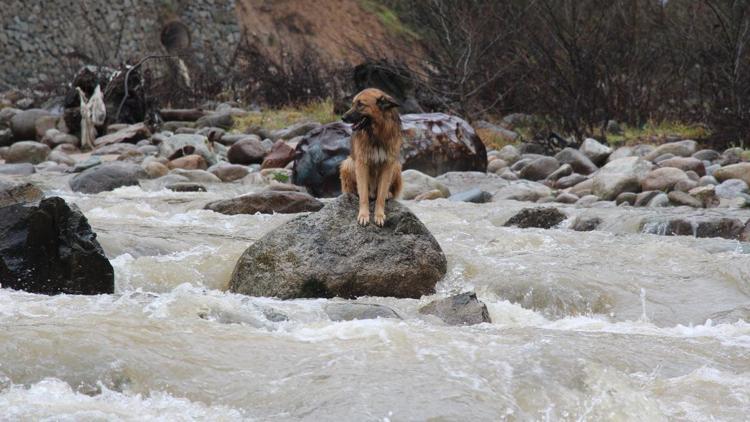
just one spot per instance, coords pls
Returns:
(363, 218)
(379, 219)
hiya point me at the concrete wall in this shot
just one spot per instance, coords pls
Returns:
(45, 41)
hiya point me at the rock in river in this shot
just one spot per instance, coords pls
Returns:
(328, 254)
(268, 202)
(544, 218)
(106, 177)
(462, 309)
(50, 248)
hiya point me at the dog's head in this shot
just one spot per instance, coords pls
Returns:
(369, 106)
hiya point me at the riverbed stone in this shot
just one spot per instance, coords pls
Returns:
(682, 198)
(577, 160)
(595, 151)
(541, 217)
(569, 181)
(12, 192)
(523, 190)
(734, 171)
(267, 202)
(327, 254)
(50, 248)
(189, 162)
(27, 152)
(707, 155)
(186, 187)
(685, 164)
(476, 196)
(731, 188)
(461, 309)
(20, 169)
(539, 168)
(621, 175)
(663, 179)
(350, 311)
(280, 155)
(566, 198)
(107, 177)
(497, 165)
(23, 123)
(706, 195)
(585, 224)
(626, 198)
(415, 183)
(229, 172)
(684, 148)
(198, 176)
(509, 154)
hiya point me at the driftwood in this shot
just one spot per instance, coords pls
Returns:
(93, 113)
(182, 114)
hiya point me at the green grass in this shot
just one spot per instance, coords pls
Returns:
(318, 111)
(657, 132)
(388, 18)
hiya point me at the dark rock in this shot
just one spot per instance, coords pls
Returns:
(297, 129)
(350, 311)
(643, 198)
(318, 158)
(539, 168)
(86, 164)
(626, 197)
(476, 196)
(520, 164)
(186, 187)
(727, 228)
(281, 154)
(51, 249)
(328, 254)
(707, 155)
(249, 150)
(462, 309)
(576, 159)
(586, 224)
(21, 169)
(543, 218)
(106, 177)
(267, 202)
(437, 143)
(15, 193)
(223, 119)
(6, 137)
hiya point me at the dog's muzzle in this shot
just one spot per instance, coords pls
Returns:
(357, 120)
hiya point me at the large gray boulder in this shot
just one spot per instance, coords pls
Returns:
(328, 254)
(107, 177)
(618, 176)
(50, 248)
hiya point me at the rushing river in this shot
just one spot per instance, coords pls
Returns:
(606, 325)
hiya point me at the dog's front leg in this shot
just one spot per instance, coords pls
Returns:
(363, 190)
(384, 185)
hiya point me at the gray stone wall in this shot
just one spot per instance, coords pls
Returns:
(45, 41)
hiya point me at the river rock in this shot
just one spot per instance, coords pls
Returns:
(587, 201)
(53, 138)
(685, 164)
(595, 151)
(621, 175)
(228, 172)
(564, 170)
(543, 218)
(350, 311)
(23, 124)
(107, 176)
(734, 171)
(461, 309)
(663, 157)
(189, 162)
(6, 138)
(724, 227)
(731, 156)
(566, 198)
(509, 154)
(436, 143)
(659, 200)
(643, 198)
(685, 185)
(50, 248)
(186, 187)
(429, 195)
(476, 196)
(415, 183)
(27, 152)
(576, 159)
(182, 145)
(731, 188)
(267, 202)
(327, 254)
(281, 154)
(223, 119)
(197, 176)
(496, 166)
(569, 181)
(20, 169)
(621, 152)
(130, 134)
(586, 224)
(706, 195)
(61, 158)
(683, 198)
(249, 150)
(539, 168)
(524, 190)
(707, 155)
(297, 129)
(626, 198)
(663, 179)
(17, 193)
(155, 169)
(583, 188)
(680, 149)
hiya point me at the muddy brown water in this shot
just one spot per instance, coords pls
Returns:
(607, 325)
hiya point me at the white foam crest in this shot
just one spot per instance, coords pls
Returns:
(382, 329)
(53, 399)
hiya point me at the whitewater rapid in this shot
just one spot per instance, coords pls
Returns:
(607, 325)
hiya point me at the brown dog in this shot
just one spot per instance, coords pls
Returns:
(373, 169)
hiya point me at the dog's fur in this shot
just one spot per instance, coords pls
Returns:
(373, 169)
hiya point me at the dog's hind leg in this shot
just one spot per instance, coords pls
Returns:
(348, 176)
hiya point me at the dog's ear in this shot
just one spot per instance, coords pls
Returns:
(386, 102)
